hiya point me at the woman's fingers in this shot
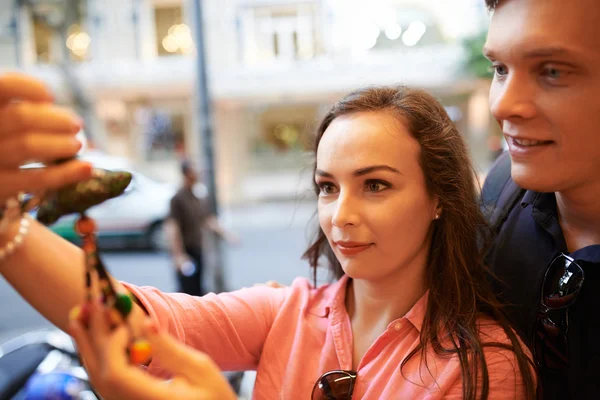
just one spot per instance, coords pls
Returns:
(20, 117)
(15, 85)
(180, 359)
(34, 180)
(104, 352)
(86, 349)
(172, 355)
(39, 147)
(32, 129)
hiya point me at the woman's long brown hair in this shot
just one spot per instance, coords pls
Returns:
(459, 290)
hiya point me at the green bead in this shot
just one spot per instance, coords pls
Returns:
(124, 304)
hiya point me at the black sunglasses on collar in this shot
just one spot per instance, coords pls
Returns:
(562, 284)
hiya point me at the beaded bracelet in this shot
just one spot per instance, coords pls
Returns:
(16, 242)
(9, 211)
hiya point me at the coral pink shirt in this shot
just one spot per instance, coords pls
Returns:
(292, 335)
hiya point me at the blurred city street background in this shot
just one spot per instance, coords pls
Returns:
(130, 68)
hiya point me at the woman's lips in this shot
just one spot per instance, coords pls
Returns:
(352, 248)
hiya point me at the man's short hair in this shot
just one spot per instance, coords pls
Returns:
(186, 166)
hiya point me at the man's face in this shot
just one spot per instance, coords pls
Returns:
(191, 176)
(546, 90)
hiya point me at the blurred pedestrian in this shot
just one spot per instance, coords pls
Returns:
(189, 215)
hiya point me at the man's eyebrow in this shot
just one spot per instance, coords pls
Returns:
(539, 52)
(547, 52)
(361, 171)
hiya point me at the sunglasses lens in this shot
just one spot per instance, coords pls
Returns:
(562, 284)
(550, 345)
(334, 386)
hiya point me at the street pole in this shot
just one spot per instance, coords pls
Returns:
(16, 30)
(204, 106)
(205, 119)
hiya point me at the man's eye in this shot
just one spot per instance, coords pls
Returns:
(553, 73)
(499, 69)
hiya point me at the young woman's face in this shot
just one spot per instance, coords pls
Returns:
(373, 204)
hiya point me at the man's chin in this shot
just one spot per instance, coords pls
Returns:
(534, 179)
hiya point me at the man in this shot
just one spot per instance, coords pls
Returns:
(546, 97)
(188, 216)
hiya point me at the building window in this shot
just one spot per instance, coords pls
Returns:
(43, 37)
(361, 27)
(278, 33)
(172, 35)
(58, 31)
(162, 132)
(283, 138)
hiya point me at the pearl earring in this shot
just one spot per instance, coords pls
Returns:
(437, 216)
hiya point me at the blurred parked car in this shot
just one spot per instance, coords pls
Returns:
(132, 220)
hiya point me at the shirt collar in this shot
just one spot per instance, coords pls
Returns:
(528, 198)
(337, 299)
(545, 214)
(417, 313)
(333, 295)
(542, 202)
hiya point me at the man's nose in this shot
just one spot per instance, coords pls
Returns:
(513, 98)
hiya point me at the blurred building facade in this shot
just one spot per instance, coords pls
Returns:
(274, 68)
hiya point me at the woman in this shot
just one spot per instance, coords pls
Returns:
(411, 315)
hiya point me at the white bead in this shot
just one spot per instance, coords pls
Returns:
(17, 241)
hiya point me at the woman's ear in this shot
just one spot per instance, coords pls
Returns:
(438, 209)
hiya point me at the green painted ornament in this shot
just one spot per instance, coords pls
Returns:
(78, 198)
(124, 304)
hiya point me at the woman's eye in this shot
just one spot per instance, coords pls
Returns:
(326, 188)
(375, 186)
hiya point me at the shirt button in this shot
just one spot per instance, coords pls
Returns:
(397, 326)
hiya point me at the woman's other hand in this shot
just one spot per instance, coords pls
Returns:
(104, 352)
(34, 129)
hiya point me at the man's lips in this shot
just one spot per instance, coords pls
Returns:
(526, 141)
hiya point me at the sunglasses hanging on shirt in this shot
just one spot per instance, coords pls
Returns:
(562, 284)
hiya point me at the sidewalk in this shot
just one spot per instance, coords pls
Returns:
(270, 215)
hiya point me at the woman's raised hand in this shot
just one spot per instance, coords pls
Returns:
(103, 349)
(32, 128)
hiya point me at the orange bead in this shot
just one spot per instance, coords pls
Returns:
(140, 352)
(89, 246)
(85, 226)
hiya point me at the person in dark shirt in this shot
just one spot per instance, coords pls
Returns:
(546, 97)
(189, 215)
